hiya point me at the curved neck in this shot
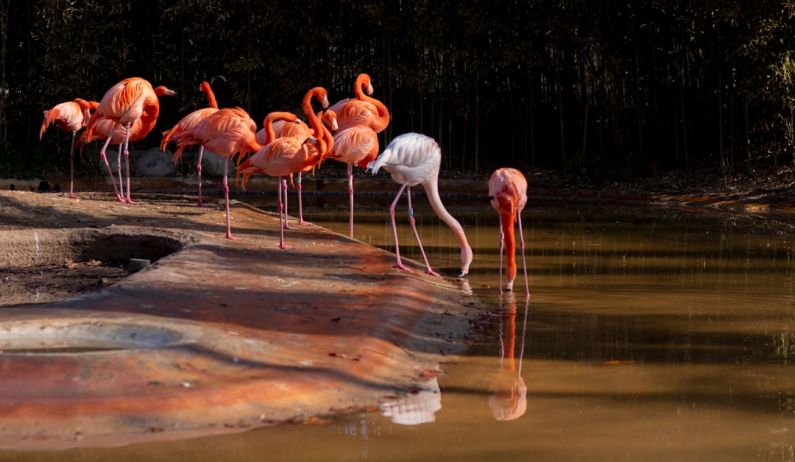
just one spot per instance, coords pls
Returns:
(432, 191)
(362, 80)
(210, 96)
(306, 105)
(270, 133)
(329, 139)
(383, 113)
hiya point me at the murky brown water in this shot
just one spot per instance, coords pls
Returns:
(651, 335)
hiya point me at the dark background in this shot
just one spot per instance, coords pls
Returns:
(603, 89)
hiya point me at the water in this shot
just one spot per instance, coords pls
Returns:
(651, 335)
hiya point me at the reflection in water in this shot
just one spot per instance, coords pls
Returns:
(508, 392)
(416, 408)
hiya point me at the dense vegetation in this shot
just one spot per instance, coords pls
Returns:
(598, 88)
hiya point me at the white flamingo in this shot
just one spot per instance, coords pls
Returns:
(414, 159)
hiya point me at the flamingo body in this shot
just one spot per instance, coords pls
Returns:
(415, 159)
(508, 192)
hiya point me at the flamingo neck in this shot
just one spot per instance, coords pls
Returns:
(210, 97)
(383, 113)
(506, 220)
(432, 191)
(362, 80)
(314, 120)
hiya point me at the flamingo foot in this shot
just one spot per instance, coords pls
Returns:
(230, 237)
(120, 199)
(71, 196)
(509, 286)
(399, 265)
(130, 201)
(432, 272)
(201, 204)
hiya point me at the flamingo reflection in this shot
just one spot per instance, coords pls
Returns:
(508, 392)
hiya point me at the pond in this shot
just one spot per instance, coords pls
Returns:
(651, 334)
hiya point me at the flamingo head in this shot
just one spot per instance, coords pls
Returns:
(320, 94)
(364, 81)
(204, 86)
(164, 91)
(329, 119)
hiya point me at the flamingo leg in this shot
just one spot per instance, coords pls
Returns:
(282, 215)
(199, 172)
(399, 263)
(283, 185)
(350, 200)
(72, 167)
(502, 246)
(300, 201)
(413, 224)
(226, 196)
(110, 172)
(120, 172)
(127, 162)
(524, 261)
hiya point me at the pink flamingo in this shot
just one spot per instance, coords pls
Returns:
(356, 142)
(362, 110)
(129, 100)
(280, 157)
(414, 159)
(180, 133)
(228, 132)
(69, 116)
(300, 130)
(508, 193)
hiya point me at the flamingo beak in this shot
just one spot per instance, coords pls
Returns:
(325, 102)
(369, 88)
(334, 125)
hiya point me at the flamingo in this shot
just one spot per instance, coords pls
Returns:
(508, 193)
(129, 100)
(280, 157)
(508, 391)
(69, 116)
(300, 130)
(362, 110)
(413, 159)
(228, 132)
(180, 133)
(356, 142)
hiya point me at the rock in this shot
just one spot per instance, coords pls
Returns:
(153, 162)
(137, 264)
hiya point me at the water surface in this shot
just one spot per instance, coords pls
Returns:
(652, 334)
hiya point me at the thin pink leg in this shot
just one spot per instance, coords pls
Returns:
(413, 224)
(524, 262)
(226, 196)
(282, 216)
(399, 263)
(120, 171)
(283, 185)
(199, 171)
(127, 162)
(110, 172)
(350, 200)
(300, 201)
(72, 167)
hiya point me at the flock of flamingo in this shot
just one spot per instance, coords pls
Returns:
(286, 146)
